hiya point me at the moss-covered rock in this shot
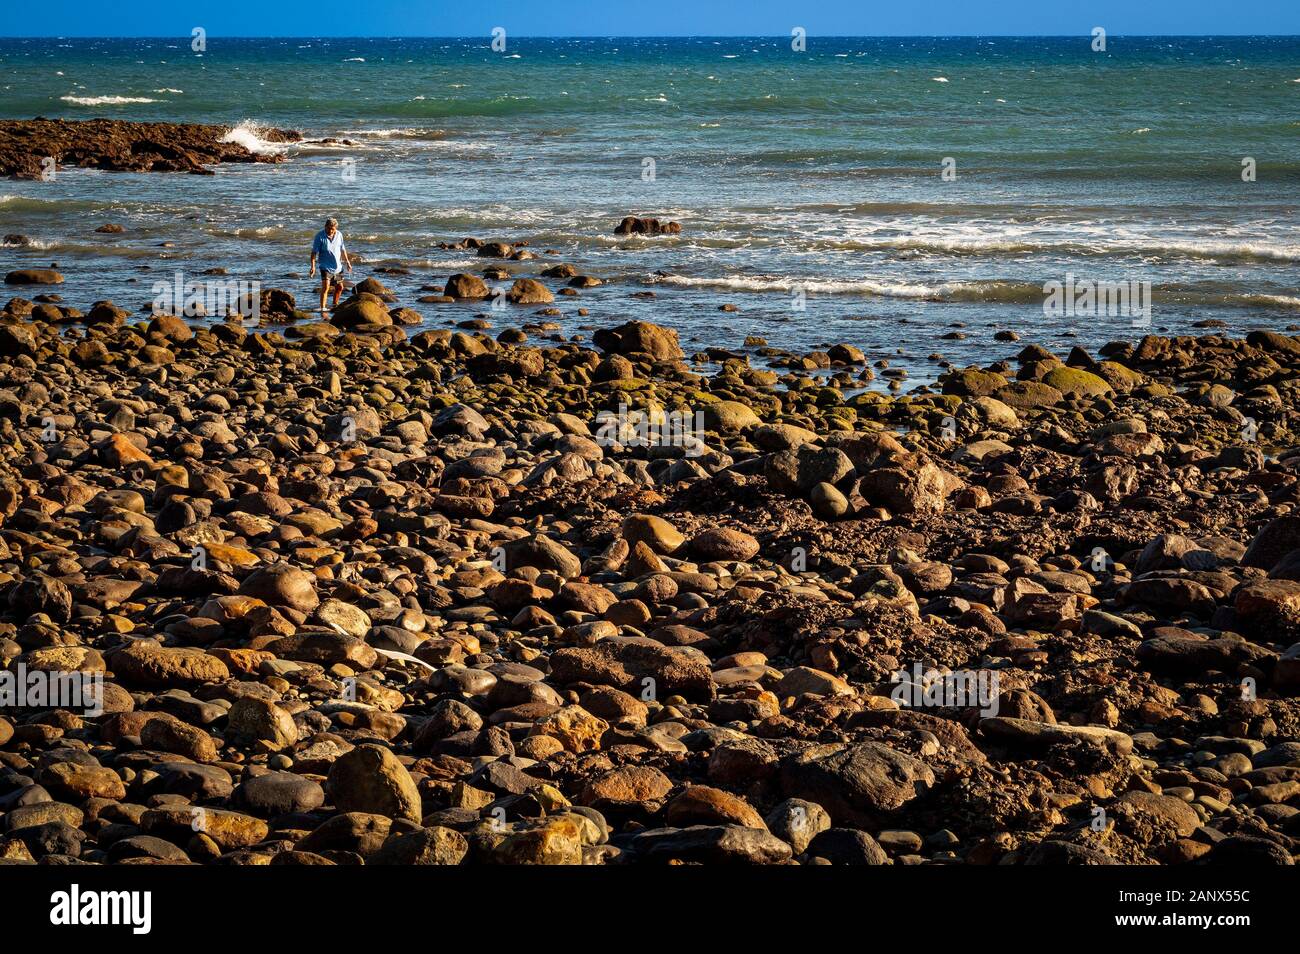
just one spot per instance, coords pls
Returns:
(1025, 395)
(1119, 377)
(1076, 381)
(973, 382)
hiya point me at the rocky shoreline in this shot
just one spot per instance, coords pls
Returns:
(364, 595)
(27, 145)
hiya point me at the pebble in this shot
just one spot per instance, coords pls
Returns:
(625, 654)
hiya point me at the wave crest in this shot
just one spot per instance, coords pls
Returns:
(106, 100)
(1005, 291)
(248, 135)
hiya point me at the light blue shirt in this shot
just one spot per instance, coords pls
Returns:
(329, 251)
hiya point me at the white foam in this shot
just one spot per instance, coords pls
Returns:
(456, 146)
(404, 132)
(261, 231)
(437, 264)
(106, 100)
(40, 245)
(1286, 301)
(1279, 253)
(246, 134)
(823, 286)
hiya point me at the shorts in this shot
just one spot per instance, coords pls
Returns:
(331, 278)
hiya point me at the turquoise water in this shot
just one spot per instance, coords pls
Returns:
(818, 171)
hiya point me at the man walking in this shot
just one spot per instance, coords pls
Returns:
(328, 249)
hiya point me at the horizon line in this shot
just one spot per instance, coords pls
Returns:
(666, 36)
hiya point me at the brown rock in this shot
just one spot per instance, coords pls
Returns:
(725, 544)
(282, 585)
(462, 286)
(573, 727)
(370, 779)
(630, 785)
(627, 662)
(640, 337)
(145, 663)
(704, 805)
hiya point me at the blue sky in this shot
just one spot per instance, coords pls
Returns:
(651, 17)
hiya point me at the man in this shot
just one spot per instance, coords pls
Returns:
(329, 251)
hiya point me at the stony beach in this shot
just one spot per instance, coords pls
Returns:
(364, 593)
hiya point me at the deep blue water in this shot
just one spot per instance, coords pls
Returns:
(818, 171)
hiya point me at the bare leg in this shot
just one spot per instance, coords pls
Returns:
(324, 292)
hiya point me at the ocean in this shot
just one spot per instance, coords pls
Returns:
(908, 196)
